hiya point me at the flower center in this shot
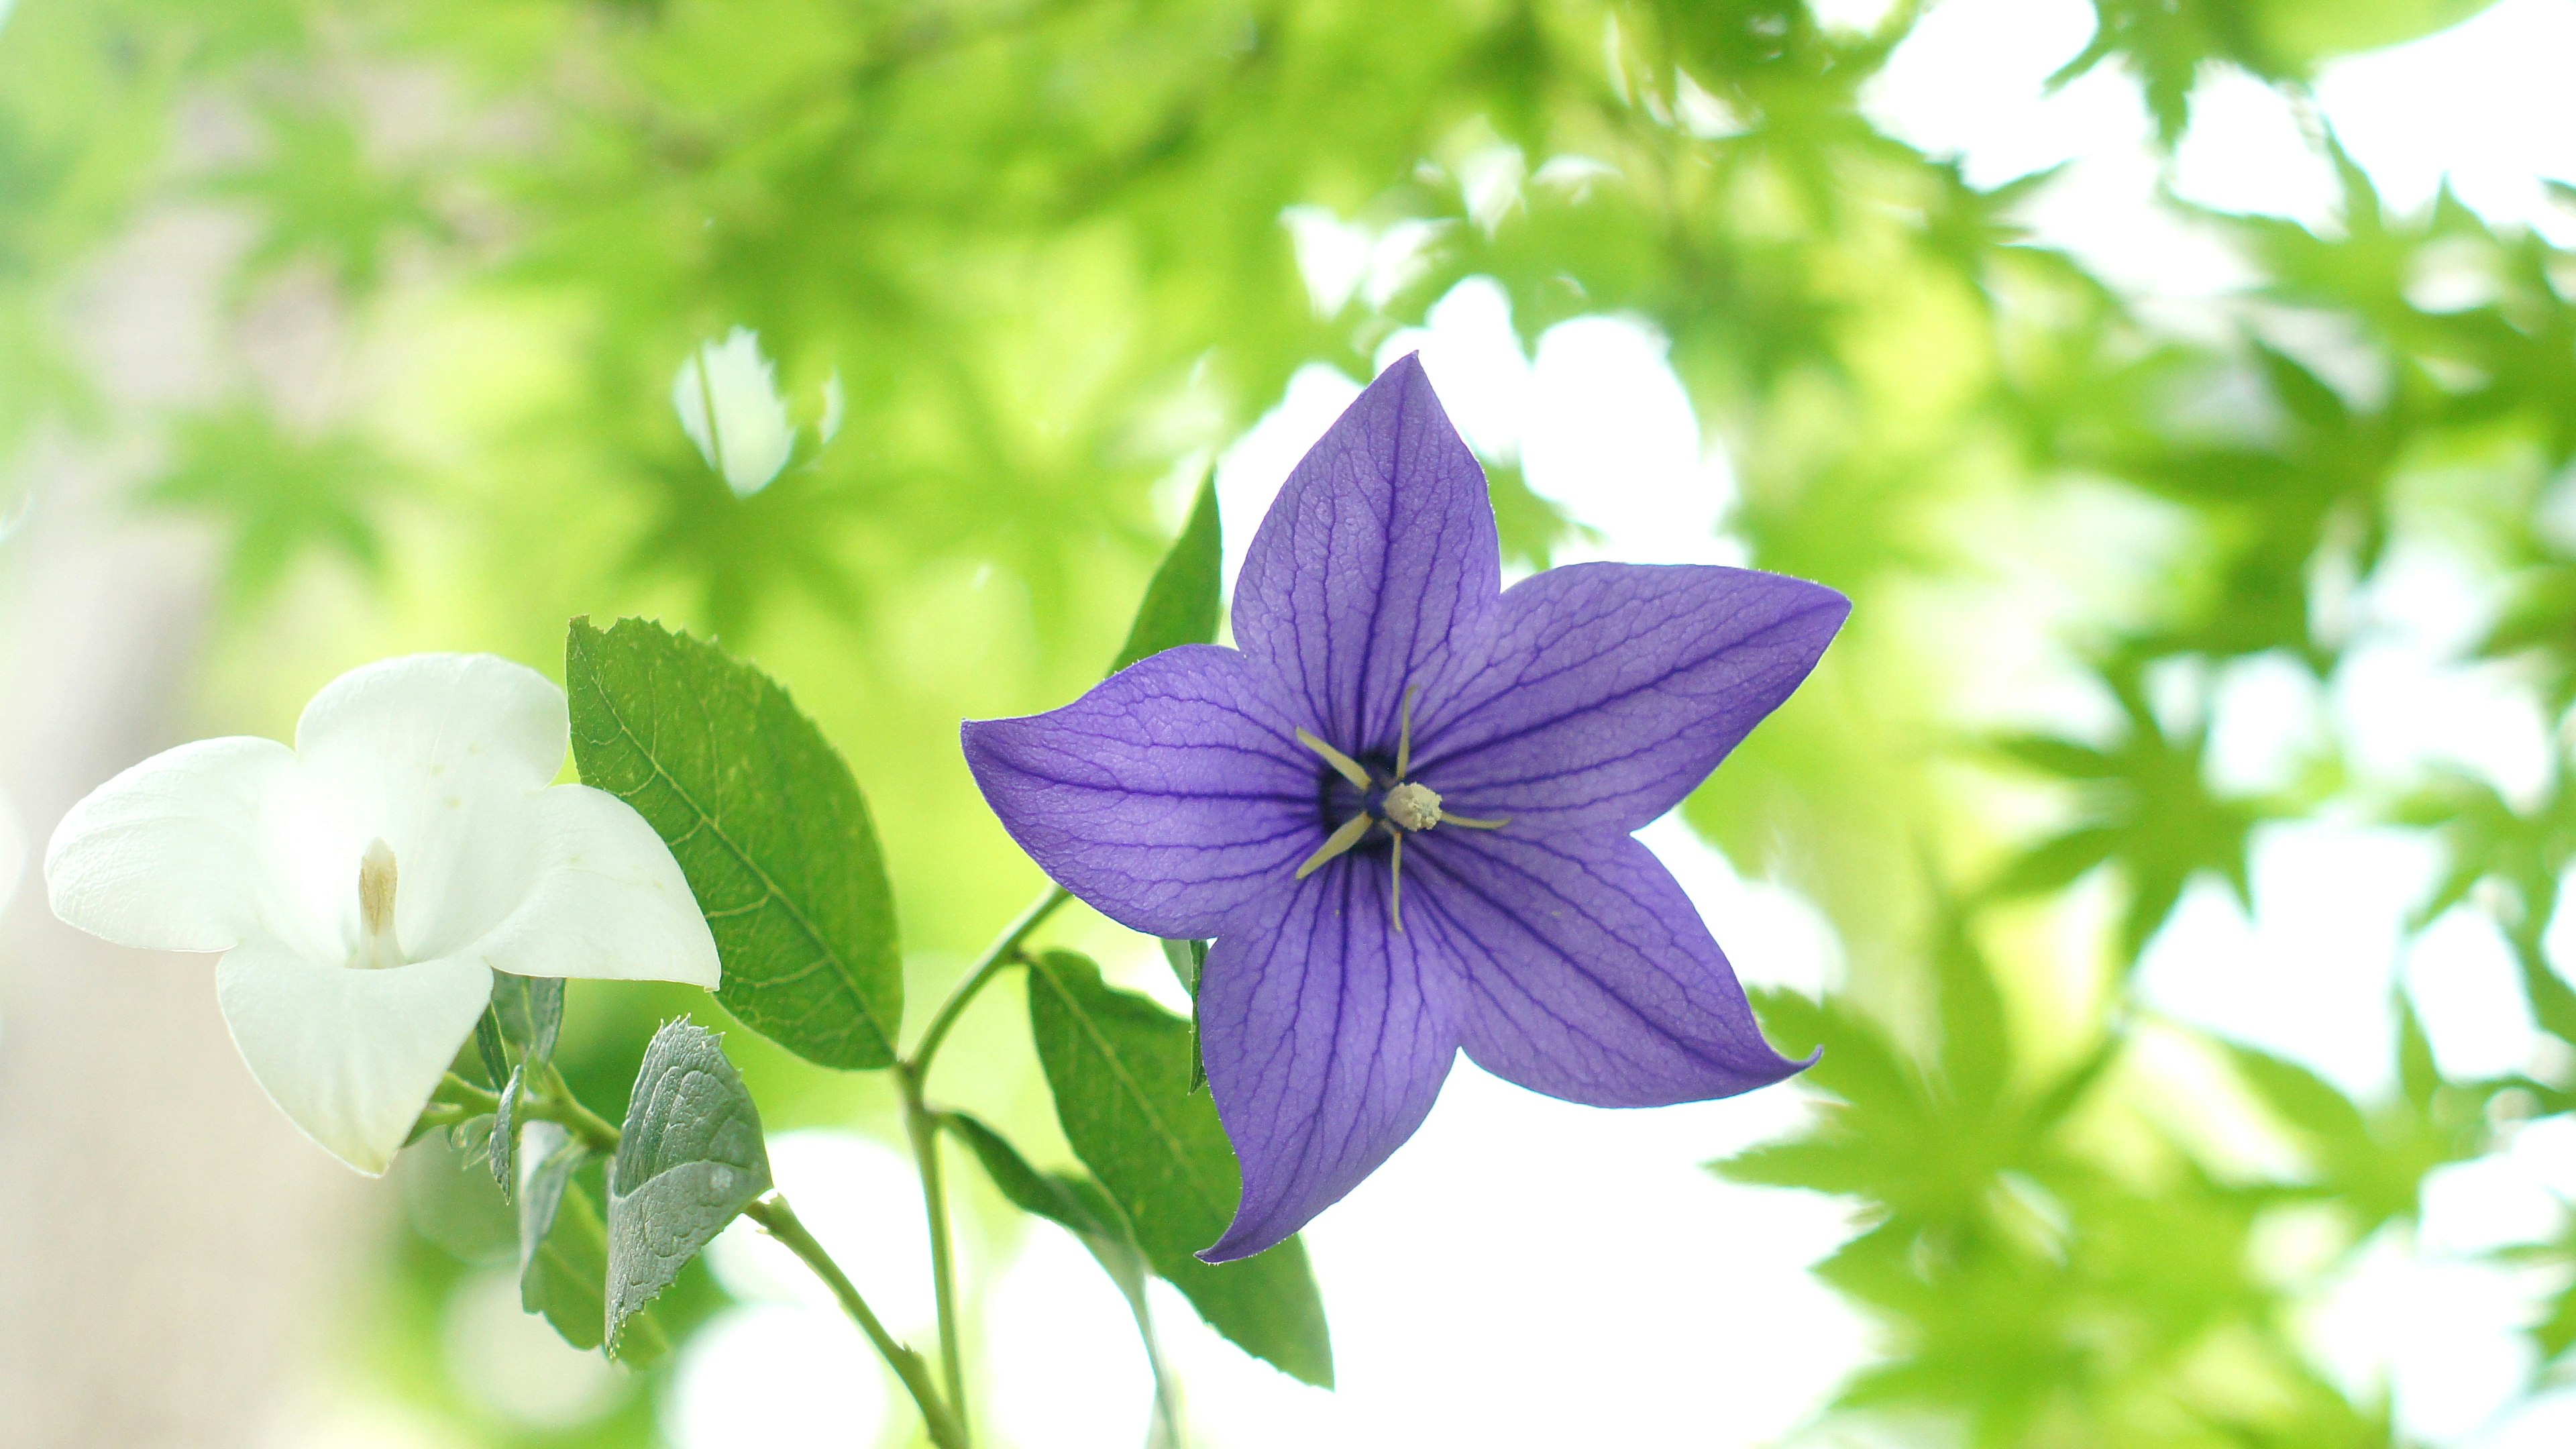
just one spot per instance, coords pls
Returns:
(1407, 807)
(377, 947)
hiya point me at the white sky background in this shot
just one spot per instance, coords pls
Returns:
(1526, 1273)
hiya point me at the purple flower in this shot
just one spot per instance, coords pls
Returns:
(1403, 809)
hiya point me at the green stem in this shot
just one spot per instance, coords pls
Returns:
(923, 1127)
(556, 1103)
(946, 1430)
(457, 1090)
(1003, 952)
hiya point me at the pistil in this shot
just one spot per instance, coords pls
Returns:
(377, 877)
(1407, 808)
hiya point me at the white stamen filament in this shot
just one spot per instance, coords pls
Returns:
(377, 945)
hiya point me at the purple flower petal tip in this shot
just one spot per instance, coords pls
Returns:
(1403, 811)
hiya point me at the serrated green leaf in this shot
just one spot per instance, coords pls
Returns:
(767, 824)
(692, 1159)
(1119, 1067)
(1180, 605)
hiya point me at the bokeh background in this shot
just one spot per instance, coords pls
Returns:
(2168, 856)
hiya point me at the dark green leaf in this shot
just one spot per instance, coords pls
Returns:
(1119, 1067)
(1180, 604)
(692, 1158)
(765, 821)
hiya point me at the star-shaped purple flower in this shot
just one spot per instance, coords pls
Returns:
(1403, 809)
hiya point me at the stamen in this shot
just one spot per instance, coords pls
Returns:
(1472, 823)
(377, 878)
(1334, 844)
(1395, 897)
(1348, 768)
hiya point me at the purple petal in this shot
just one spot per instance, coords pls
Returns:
(1167, 797)
(1378, 561)
(1613, 689)
(1585, 972)
(1326, 1037)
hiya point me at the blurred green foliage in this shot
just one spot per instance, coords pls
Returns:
(1041, 242)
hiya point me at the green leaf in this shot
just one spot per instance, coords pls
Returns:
(2302, 1098)
(765, 821)
(1027, 1189)
(1189, 960)
(1180, 604)
(565, 1279)
(563, 1249)
(1080, 1207)
(692, 1158)
(491, 1050)
(549, 1157)
(528, 1010)
(1119, 1067)
(504, 1141)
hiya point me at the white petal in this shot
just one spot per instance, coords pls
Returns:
(606, 899)
(349, 1056)
(183, 852)
(436, 754)
(751, 437)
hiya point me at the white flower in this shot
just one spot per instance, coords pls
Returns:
(728, 401)
(365, 884)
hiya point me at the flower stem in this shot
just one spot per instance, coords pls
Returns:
(1002, 953)
(923, 1127)
(557, 1104)
(947, 1430)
